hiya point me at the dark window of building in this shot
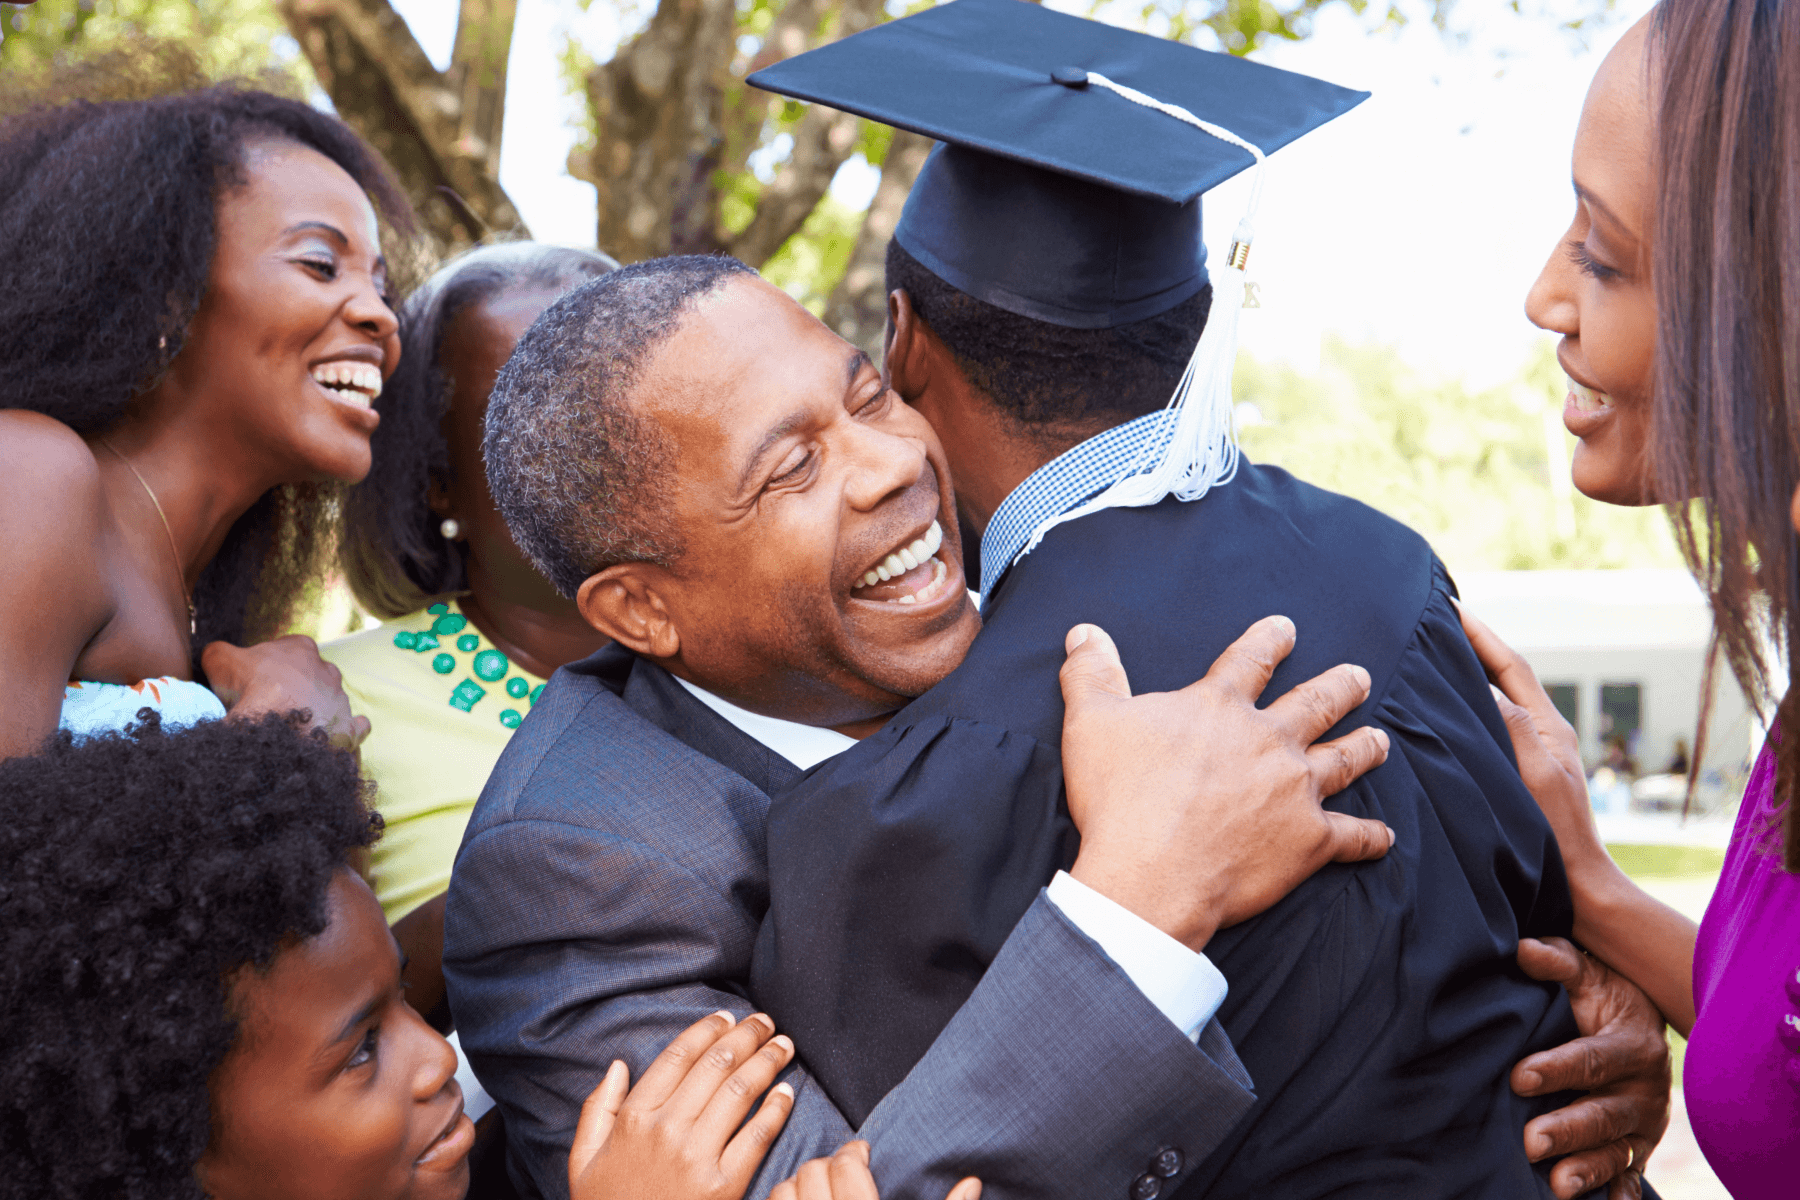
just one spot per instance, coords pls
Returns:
(1621, 715)
(1567, 698)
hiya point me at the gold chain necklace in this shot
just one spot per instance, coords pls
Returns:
(180, 575)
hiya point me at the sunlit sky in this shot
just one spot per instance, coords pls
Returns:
(1419, 219)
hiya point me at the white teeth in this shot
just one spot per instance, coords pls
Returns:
(350, 376)
(1587, 399)
(908, 558)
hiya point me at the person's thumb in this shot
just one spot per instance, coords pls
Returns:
(1092, 671)
(967, 1189)
(1552, 959)
(597, 1117)
(1357, 839)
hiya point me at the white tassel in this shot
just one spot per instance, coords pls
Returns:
(1194, 448)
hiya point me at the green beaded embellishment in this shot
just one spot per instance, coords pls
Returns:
(406, 639)
(438, 609)
(467, 643)
(466, 694)
(490, 666)
(443, 664)
(535, 693)
(449, 623)
(510, 718)
(425, 641)
(517, 687)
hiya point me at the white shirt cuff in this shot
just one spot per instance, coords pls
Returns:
(1182, 983)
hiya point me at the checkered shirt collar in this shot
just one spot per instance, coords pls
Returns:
(1054, 488)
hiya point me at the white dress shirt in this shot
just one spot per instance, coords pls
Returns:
(1183, 984)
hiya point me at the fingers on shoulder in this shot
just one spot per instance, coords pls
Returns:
(1248, 662)
(1092, 664)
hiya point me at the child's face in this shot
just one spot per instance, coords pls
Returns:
(336, 1088)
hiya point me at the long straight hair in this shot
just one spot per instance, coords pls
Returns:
(1727, 277)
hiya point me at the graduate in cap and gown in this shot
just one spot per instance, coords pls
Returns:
(1049, 281)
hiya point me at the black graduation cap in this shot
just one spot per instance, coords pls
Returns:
(1052, 197)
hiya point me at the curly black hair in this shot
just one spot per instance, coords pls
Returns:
(393, 555)
(1059, 385)
(107, 232)
(138, 871)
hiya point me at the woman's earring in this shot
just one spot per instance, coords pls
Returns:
(451, 529)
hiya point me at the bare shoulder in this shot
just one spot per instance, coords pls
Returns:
(51, 474)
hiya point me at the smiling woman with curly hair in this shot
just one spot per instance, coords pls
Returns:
(194, 330)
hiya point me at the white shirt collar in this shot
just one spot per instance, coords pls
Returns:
(806, 746)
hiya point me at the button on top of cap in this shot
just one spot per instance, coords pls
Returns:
(1145, 1187)
(1168, 1162)
(1073, 77)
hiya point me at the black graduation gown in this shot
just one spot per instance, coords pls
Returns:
(1379, 1008)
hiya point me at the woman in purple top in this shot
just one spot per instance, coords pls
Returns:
(1677, 292)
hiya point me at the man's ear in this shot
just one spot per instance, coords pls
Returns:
(625, 603)
(908, 366)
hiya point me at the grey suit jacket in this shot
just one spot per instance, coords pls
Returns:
(608, 894)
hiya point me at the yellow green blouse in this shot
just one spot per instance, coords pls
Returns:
(441, 703)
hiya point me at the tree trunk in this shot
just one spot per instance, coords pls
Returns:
(440, 131)
(657, 109)
(857, 308)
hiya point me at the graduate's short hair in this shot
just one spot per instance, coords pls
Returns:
(1056, 383)
(582, 479)
(139, 872)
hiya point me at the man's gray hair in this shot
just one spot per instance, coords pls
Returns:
(582, 480)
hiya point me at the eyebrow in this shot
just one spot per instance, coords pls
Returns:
(322, 227)
(853, 367)
(1598, 205)
(362, 1014)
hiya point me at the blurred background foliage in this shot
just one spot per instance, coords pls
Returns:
(1483, 474)
(685, 157)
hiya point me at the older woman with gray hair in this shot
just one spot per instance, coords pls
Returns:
(470, 629)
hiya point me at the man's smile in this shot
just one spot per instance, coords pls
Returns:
(912, 573)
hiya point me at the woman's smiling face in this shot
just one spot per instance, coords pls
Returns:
(1596, 290)
(294, 337)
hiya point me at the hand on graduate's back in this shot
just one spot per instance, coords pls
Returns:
(1621, 1062)
(845, 1176)
(1196, 809)
(676, 1135)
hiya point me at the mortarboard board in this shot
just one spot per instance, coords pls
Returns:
(1067, 185)
(1057, 200)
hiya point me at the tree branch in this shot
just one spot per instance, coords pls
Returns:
(823, 140)
(857, 307)
(384, 86)
(656, 108)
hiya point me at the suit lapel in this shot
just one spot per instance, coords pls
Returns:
(653, 693)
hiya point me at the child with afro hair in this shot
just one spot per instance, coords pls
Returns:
(201, 998)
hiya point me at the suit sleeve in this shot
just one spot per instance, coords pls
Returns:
(571, 948)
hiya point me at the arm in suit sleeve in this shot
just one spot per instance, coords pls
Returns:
(570, 947)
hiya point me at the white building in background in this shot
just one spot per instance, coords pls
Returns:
(1622, 653)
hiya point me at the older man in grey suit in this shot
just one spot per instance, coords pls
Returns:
(672, 438)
